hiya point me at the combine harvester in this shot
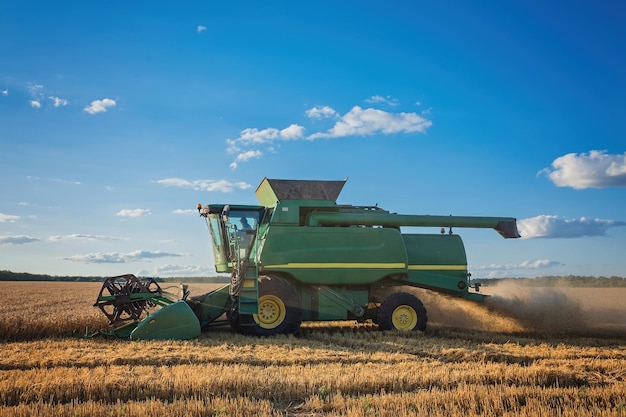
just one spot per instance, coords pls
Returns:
(300, 256)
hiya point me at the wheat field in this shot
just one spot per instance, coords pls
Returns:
(532, 352)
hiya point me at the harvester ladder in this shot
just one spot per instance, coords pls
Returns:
(249, 294)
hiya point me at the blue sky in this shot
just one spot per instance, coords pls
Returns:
(117, 118)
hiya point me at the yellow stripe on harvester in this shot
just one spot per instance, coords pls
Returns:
(337, 265)
(437, 267)
(364, 265)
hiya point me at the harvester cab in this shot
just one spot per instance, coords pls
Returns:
(299, 256)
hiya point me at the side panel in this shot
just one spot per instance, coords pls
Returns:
(334, 255)
(437, 262)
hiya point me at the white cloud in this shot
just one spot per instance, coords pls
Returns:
(138, 212)
(291, 132)
(385, 100)
(58, 101)
(99, 106)
(537, 264)
(596, 169)
(37, 95)
(65, 181)
(185, 211)
(117, 257)
(79, 236)
(179, 271)
(364, 122)
(357, 122)
(32, 178)
(204, 185)
(245, 156)
(5, 92)
(527, 264)
(35, 90)
(549, 226)
(17, 240)
(200, 28)
(8, 218)
(512, 269)
(324, 112)
(252, 136)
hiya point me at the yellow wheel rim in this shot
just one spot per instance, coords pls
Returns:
(272, 312)
(404, 317)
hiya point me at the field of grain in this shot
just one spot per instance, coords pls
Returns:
(528, 352)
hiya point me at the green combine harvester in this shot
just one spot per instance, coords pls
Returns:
(299, 256)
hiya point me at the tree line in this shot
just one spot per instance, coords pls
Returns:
(543, 281)
(25, 276)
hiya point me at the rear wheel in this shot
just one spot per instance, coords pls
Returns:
(280, 310)
(402, 311)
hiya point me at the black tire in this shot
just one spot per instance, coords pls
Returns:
(402, 311)
(280, 309)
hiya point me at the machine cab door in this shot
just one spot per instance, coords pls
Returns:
(234, 232)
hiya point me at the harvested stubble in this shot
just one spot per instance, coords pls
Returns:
(335, 369)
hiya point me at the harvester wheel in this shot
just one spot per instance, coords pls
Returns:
(280, 309)
(402, 311)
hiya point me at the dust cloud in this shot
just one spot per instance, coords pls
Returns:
(511, 308)
(540, 309)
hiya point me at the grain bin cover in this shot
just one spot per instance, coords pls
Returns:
(271, 191)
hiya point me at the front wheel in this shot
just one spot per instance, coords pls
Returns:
(402, 311)
(280, 310)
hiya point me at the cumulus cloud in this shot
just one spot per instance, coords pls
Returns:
(4, 92)
(204, 185)
(365, 122)
(178, 271)
(17, 240)
(356, 122)
(8, 218)
(185, 211)
(527, 264)
(100, 106)
(524, 268)
(138, 212)
(596, 169)
(58, 101)
(384, 100)
(38, 96)
(323, 112)
(245, 156)
(79, 236)
(252, 136)
(200, 28)
(549, 226)
(117, 257)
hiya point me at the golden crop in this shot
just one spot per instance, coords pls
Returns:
(458, 367)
